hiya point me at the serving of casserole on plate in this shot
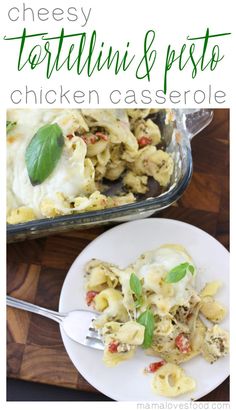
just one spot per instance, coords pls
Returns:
(161, 287)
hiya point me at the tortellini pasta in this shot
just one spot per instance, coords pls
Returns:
(20, 215)
(149, 130)
(107, 298)
(99, 145)
(137, 113)
(100, 276)
(109, 301)
(216, 344)
(165, 327)
(171, 381)
(177, 331)
(130, 332)
(212, 310)
(136, 183)
(152, 162)
(129, 335)
(112, 359)
(210, 289)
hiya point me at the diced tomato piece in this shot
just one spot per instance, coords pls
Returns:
(182, 343)
(153, 367)
(92, 139)
(89, 138)
(90, 295)
(112, 347)
(101, 136)
(69, 136)
(143, 141)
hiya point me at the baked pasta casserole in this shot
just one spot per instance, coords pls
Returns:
(61, 161)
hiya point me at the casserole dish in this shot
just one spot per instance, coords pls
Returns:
(176, 134)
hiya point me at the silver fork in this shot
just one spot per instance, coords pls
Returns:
(77, 324)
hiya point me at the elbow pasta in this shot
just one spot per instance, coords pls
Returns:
(178, 334)
(99, 145)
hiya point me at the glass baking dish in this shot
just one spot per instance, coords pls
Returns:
(177, 134)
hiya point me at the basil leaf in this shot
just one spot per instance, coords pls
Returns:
(135, 286)
(43, 152)
(138, 302)
(179, 272)
(147, 320)
(10, 125)
(191, 269)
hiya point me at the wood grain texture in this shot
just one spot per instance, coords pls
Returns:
(37, 268)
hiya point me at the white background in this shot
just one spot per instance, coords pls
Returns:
(119, 22)
(116, 22)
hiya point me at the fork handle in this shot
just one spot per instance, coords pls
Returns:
(30, 307)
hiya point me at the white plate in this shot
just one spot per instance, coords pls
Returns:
(122, 245)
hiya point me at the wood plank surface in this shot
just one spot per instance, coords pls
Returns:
(37, 268)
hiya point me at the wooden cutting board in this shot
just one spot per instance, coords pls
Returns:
(37, 268)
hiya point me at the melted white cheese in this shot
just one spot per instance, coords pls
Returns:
(68, 177)
(153, 267)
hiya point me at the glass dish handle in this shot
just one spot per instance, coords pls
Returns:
(193, 121)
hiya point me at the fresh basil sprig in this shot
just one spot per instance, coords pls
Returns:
(136, 287)
(147, 320)
(179, 272)
(43, 152)
(10, 125)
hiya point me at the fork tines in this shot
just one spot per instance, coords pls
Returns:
(93, 338)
